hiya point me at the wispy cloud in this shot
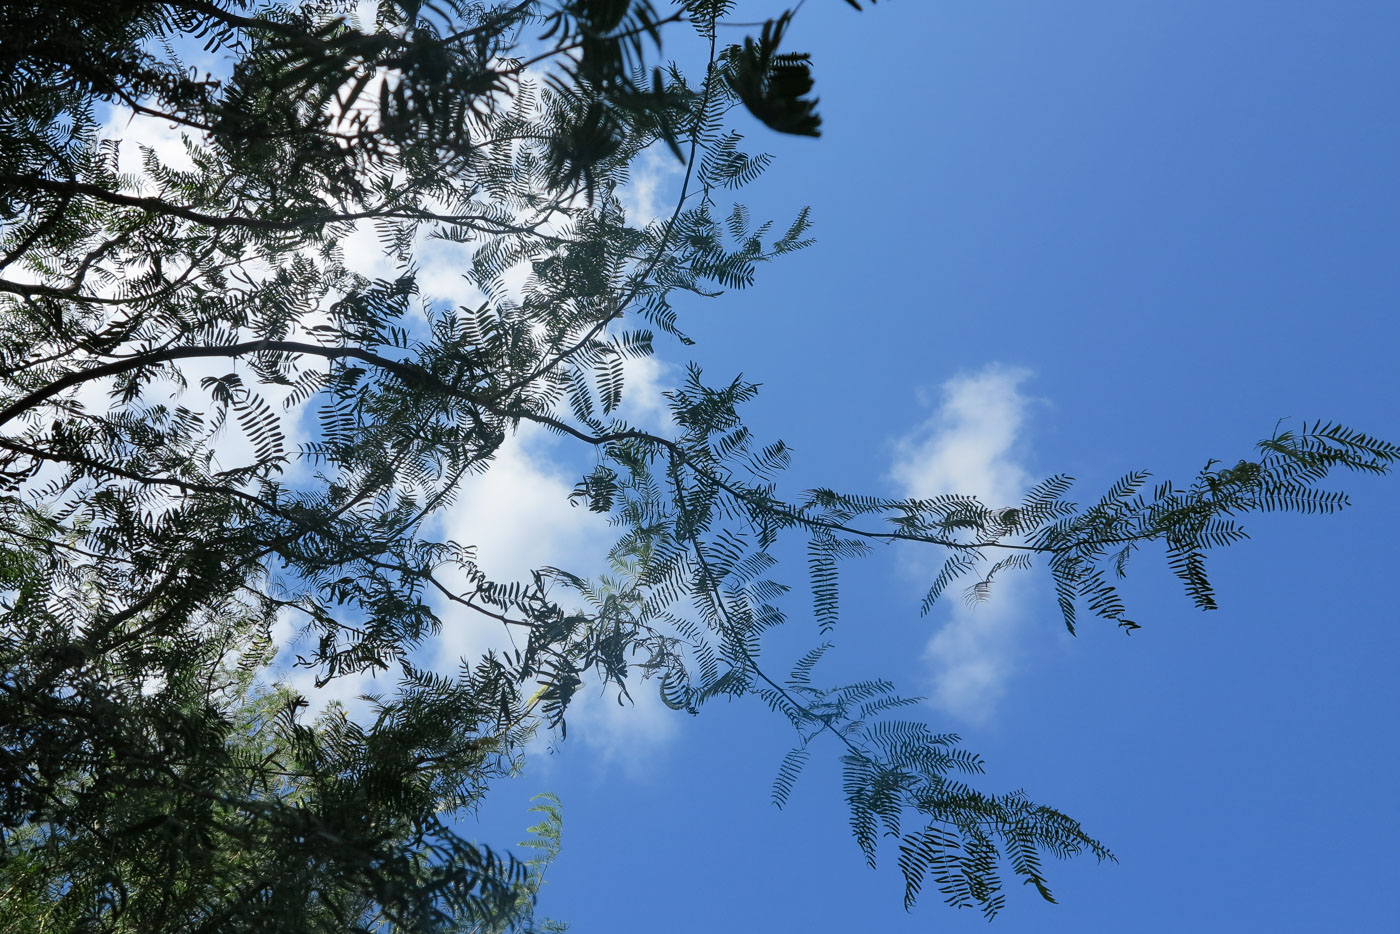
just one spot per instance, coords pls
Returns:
(970, 444)
(653, 177)
(627, 737)
(973, 444)
(518, 518)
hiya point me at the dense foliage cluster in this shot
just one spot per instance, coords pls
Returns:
(169, 333)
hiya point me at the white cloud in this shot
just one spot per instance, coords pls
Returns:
(518, 518)
(644, 393)
(975, 653)
(347, 690)
(650, 176)
(627, 736)
(972, 444)
(364, 254)
(518, 514)
(139, 131)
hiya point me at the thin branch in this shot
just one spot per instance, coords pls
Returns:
(226, 221)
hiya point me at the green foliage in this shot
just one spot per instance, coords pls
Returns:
(546, 841)
(162, 786)
(772, 85)
(211, 426)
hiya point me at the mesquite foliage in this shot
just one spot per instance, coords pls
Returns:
(211, 421)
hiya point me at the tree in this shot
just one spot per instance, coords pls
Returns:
(144, 577)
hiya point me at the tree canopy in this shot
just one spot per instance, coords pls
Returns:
(212, 421)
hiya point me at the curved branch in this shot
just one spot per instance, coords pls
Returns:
(408, 372)
(226, 221)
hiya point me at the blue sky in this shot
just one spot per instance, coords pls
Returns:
(1079, 237)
